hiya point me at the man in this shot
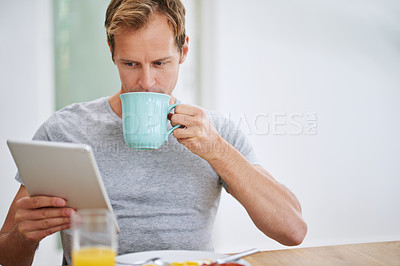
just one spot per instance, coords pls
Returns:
(163, 199)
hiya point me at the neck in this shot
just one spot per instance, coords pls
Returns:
(115, 103)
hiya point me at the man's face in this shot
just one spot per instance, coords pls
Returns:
(148, 59)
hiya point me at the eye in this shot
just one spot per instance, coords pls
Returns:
(159, 63)
(129, 64)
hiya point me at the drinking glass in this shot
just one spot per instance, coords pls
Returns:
(94, 238)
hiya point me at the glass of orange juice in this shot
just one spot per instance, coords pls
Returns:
(94, 238)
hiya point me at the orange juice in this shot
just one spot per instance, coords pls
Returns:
(93, 256)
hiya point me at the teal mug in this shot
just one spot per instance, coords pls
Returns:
(144, 119)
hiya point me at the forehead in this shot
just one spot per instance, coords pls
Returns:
(156, 38)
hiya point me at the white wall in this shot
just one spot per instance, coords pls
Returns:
(187, 85)
(26, 86)
(335, 65)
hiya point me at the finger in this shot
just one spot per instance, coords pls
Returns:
(40, 234)
(30, 226)
(43, 213)
(184, 120)
(184, 133)
(40, 202)
(188, 109)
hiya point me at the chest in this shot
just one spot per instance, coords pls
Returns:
(170, 175)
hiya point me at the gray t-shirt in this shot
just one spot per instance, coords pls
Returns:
(163, 199)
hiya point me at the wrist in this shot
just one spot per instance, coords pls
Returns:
(15, 249)
(19, 240)
(217, 151)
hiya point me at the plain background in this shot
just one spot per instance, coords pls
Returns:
(339, 60)
(315, 85)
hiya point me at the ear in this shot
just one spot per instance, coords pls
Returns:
(185, 49)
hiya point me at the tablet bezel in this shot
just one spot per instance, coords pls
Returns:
(66, 170)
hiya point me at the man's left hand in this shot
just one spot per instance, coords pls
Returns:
(198, 133)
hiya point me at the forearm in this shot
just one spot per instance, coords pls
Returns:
(15, 250)
(271, 206)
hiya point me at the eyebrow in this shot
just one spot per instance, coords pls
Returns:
(157, 60)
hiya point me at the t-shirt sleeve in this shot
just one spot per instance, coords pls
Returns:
(239, 140)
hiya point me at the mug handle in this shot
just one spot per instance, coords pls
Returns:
(169, 132)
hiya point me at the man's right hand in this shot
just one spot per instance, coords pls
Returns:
(29, 220)
(41, 216)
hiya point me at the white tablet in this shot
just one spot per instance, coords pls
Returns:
(65, 170)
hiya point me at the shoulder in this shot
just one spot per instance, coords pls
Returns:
(231, 131)
(226, 127)
(82, 108)
(69, 117)
(79, 112)
(218, 119)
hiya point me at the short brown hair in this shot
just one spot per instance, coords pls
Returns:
(134, 14)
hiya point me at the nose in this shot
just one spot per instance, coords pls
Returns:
(146, 79)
